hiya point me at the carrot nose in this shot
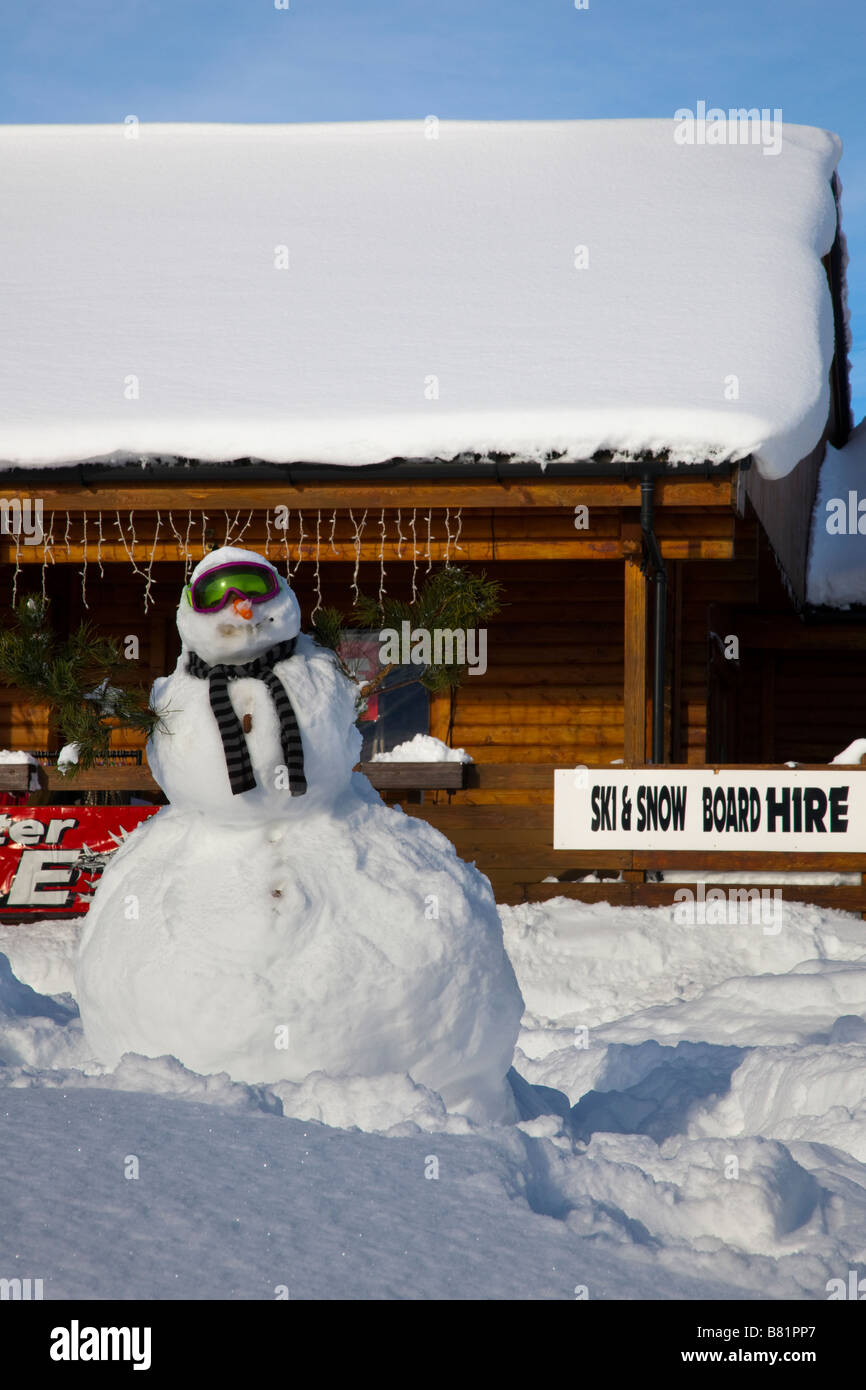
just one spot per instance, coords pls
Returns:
(242, 607)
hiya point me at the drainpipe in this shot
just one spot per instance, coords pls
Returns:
(653, 559)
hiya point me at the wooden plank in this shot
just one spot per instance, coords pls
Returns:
(390, 776)
(476, 551)
(108, 779)
(499, 817)
(535, 863)
(618, 894)
(416, 776)
(184, 493)
(733, 861)
(499, 776)
(785, 633)
(14, 777)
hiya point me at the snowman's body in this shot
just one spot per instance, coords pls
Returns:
(186, 755)
(271, 935)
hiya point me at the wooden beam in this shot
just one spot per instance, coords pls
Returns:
(14, 777)
(679, 490)
(634, 689)
(682, 548)
(384, 776)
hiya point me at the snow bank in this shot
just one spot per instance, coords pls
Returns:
(423, 748)
(413, 288)
(586, 964)
(854, 753)
(693, 1125)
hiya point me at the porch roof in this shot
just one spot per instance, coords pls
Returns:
(353, 293)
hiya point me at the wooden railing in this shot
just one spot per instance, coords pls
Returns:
(513, 843)
(15, 777)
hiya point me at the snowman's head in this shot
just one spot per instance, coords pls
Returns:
(235, 607)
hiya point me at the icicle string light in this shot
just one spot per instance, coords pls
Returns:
(17, 565)
(149, 576)
(358, 529)
(333, 530)
(382, 555)
(203, 535)
(400, 537)
(244, 528)
(130, 553)
(414, 555)
(429, 540)
(447, 536)
(84, 560)
(457, 545)
(66, 537)
(181, 548)
(99, 540)
(318, 574)
(288, 558)
(47, 544)
(300, 538)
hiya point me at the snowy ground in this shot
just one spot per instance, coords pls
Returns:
(695, 1127)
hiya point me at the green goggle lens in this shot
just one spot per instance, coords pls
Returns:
(209, 592)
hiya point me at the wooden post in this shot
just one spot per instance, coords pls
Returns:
(634, 688)
(634, 666)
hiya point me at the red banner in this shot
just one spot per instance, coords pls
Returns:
(51, 856)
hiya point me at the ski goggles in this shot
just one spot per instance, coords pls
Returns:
(215, 588)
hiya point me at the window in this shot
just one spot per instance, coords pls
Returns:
(399, 707)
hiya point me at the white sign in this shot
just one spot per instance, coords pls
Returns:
(701, 808)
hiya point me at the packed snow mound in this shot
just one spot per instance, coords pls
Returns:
(394, 1105)
(560, 268)
(854, 753)
(424, 748)
(354, 943)
(587, 964)
(43, 953)
(814, 1093)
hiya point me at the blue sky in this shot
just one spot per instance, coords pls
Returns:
(329, 60)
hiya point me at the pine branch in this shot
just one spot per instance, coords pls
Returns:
(75, 679)
(451, 599)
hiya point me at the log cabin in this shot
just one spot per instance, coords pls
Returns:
(595, 360)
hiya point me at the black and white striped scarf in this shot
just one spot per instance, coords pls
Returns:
(238, 764)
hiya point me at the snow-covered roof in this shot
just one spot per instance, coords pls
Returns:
(353, 293)
(837, 550)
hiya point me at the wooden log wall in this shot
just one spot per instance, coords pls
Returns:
(553, 692)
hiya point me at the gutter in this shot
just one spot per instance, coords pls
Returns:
(500, 470)
(840, 380)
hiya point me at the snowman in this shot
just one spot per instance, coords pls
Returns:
(277, 919)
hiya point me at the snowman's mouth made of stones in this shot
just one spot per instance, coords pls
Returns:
(242, 628)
